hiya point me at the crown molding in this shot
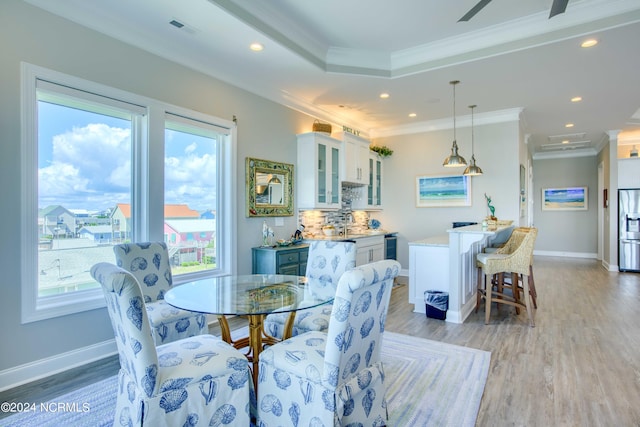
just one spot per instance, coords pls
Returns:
(486, 118)
(530, 31)
(580, 152)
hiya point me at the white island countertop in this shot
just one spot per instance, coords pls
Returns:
(441, 240)
(477, 228)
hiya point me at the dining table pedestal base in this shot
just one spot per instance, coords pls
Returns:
(257, 339)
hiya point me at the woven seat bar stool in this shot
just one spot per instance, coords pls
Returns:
(509, 246)
(518, 263)
(532, 284)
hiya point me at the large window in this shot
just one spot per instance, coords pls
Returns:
(190, 188)
(84, 172)
(91, 175)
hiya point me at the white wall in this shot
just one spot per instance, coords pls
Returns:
(497, 153)
(573, 233)
(265, 130)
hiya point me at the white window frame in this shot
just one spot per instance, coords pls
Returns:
(147, 188)
(225, 200)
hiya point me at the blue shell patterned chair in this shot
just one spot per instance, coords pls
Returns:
(326, 262)
(149, 264)
(200, 380)
(334, 378)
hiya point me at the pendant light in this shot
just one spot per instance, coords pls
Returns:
(472, 169)
(454, 160)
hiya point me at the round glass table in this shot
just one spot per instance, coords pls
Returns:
(254, 296)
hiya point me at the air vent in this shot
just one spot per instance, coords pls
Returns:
(571, 137)
(566, 146)
(181, 25)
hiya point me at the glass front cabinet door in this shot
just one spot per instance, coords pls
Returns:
(372, 192)
(318, 171)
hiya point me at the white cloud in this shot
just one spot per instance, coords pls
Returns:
(90, 168)
(89, 160)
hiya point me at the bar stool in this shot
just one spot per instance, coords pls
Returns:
(518, 263)
(509, 246)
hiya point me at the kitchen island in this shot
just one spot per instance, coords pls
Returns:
(447, 263)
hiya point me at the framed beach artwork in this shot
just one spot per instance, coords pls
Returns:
(565, 199)
(443, 191)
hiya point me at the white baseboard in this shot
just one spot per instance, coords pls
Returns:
(567, 254)
(23, 374)
(609, 267)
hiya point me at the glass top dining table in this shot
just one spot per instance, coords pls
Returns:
(254, 296)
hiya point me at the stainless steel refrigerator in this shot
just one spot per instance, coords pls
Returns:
(629, 229)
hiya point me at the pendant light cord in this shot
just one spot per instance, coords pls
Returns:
(472, 151)
(454, 83)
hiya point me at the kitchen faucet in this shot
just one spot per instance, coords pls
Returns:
(348, 219)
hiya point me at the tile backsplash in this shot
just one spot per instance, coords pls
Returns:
(314, 220)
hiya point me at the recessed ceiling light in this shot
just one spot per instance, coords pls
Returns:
(569, 125)
(589, 43)
(256, 47)
(412, 114)
(565, 141)
(384, 95)
(576, 99)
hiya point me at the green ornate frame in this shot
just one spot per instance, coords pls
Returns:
(256, 171)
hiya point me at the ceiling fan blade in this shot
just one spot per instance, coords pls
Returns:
(558, 7)
(475, 9)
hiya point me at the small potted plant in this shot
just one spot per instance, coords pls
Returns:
(382, 150)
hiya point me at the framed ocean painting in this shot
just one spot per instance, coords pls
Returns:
(443, 191)
(565, 199)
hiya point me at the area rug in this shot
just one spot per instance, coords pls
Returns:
(429, 383)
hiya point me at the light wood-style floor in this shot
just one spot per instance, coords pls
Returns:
(580, 365)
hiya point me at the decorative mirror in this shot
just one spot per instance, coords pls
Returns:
(269, 188)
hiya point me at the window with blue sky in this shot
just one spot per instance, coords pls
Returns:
(90, 157)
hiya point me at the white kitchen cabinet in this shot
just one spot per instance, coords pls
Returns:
(629, 173)
(371, 193)
(369, 249)
(355, 151)
(374, 187)
(318, 171)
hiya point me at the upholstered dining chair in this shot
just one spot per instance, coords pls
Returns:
(326, 263)
(517, 261)
(200, 380)
(333, 378)
(149, 264)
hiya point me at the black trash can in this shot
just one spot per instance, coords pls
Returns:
(437, 304)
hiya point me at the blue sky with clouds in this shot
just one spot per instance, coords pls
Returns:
(84, 162)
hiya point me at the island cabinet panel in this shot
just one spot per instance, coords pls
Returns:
(428, 269)
(448, 263)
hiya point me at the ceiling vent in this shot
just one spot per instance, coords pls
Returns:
(181, 25)
(567, 137)
(569, 141)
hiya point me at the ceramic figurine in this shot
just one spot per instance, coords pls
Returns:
(265, 233)
(491, 208)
